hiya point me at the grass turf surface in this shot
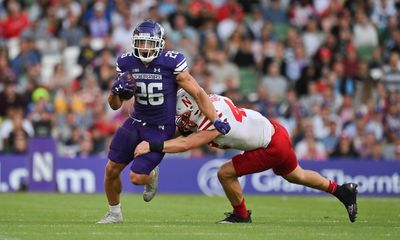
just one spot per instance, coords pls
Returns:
(57, 216)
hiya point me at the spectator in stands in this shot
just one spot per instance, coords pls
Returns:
(71, 32)
(312, 37)
(223, 71)
(104, 69)
(274, 12)
(364, 144)
(200, 11)
(300, 11)
(275, 55)
(121, 34)
(382, 10)
(309, 148)
(140, 8)
(344, 149)
(198, 70)
(86, 54)
(331, 140)
(365, 33)
(231, 8)
(313, 96)
(389, 144)
(15, 21)
(391, 73)
(10, 99)
(12, 125)
(45, 27)
(229, 16)
(18, 142)
(397, 151)
(377, 151)
(244, 57)
(180, 29)
(71, 146)
(276, 84)
(120, 15)
(6, 73)
(393, 43)
(99, 26)
(296, 63)
(255, 23)
(351, 64)
(41, 113)
(86, 147)
(375, 124)
(27, 57)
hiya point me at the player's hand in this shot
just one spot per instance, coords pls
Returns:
(222, 127)
(123, 84)
(142, 148)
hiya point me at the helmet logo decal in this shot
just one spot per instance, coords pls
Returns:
(187, 101)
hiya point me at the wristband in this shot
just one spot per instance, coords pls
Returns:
(156, 147)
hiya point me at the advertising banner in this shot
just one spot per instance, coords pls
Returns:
(199, 176)
(42, 164)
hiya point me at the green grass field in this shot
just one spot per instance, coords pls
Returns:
(56, 216)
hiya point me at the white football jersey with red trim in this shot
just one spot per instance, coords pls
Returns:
(249, 129)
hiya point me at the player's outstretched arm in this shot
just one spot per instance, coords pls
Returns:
(189, 84)
(180, 144)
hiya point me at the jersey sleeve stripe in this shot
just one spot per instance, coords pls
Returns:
(118, 69)
(209, 123)
(181, 67)
(203, 122)
(180, 71)
(207, 126)
(177, 65)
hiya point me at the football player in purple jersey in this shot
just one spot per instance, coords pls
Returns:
(153, 76)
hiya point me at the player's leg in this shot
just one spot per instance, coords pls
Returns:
(145, 170)
(346, 193)
(229, 180)
(310, 179)
(141, 179)
(112, 182)
(113, 187)
(120, 155)
(289, 169)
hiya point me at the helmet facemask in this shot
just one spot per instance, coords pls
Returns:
(147, 48)
(184, 123)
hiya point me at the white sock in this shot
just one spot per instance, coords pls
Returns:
(115, 208)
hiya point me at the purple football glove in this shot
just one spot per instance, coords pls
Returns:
(222, 127)
(123, 84)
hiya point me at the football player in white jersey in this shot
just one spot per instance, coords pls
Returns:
(266, 145)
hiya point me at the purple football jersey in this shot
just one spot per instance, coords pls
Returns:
(155, 96)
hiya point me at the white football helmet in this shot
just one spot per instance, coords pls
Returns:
(187, 112)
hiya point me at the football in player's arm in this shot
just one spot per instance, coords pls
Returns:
(266, 145)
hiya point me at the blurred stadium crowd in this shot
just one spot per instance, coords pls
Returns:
(329, 70)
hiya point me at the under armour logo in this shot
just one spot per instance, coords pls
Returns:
(157, 70)
(119, 87)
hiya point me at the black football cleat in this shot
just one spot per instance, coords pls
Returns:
(347, 194)
(232, 218)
